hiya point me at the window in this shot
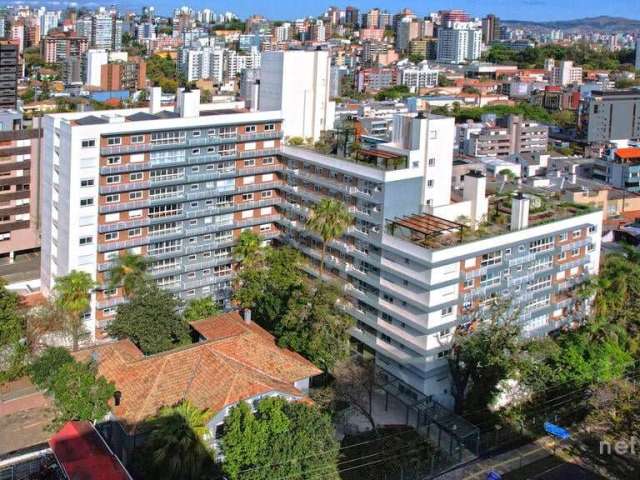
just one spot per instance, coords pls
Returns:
(90, 182)
(575, 252)
(135, 177)
(491, 258)
(250, 163)
(265, 227)
(269, 127)
(113, 198)
(88, 143)
(468, 283)
(109, 311)
(592, 229)
(444, 333)
(135, 232)
(194, 186)
(250, 128)
(114, 141)
(195, 151)
(576, 234)
(247, 197)
(86, 241)
(114, 160)
(113, 179)
(135, 195)
(430, 183)
(443, 353)
(137, 138)
(541, 245)
(86, 202)
(563, 237)
(446, 311)
(490, 279)
(268, 160)
(266, 194)
(109, 237)
(432, 162)
(195, 133)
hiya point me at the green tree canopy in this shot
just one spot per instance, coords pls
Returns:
(175, 447)
(200, 308)
(13, 346)
(129, 272)
(482, 355)
(279, 440)
(72, 296)
(151, 320)
(45, 367)
(314, 326)
(329, 219)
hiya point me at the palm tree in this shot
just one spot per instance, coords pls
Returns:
(72, 297)
(129, 271)
(248, 251)
(176, 445)
(329, 219)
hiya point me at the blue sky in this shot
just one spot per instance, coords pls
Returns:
(508, 9)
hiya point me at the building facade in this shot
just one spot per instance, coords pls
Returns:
(459, 42)
(178, 187)
(605, 116)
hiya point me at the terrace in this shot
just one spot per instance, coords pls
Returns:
(437, 233)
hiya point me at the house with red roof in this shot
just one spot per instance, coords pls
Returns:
(234, 361)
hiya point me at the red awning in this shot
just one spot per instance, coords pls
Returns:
(82, 454)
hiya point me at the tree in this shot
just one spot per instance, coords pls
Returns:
(201, 308)
(267, 288)
(175, 447)
(354, 383)
(72, 294)
(481, 355)
(330, 220)
(13, 348)
(129, 271)
(248, 250)
(615, 409)
(280, 440)
(296, 141)
(314, 326)
(78, 394)
(565, 118)
(44, 368)
(151, 320)
(206, 96)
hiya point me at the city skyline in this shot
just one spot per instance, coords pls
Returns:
(525, 10)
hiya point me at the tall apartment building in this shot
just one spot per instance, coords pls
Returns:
(179, 187)
(298, 84)
(372, 79)
(490, 29)
(637, 62)
(408, 29)
(605, 116)
(565, 73)
(19, 162)
(9, 72)
(58, 46)
(106, 31)
(459, 42)
(129, 75)
(419, 76)
(619, 167)
(176, 187)
(96, 58)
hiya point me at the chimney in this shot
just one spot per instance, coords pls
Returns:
(188, 103)
(474, 191)
(155, 97)
(519, 212)
(246, 315)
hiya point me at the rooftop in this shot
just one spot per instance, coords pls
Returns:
(437, 233)
(236, 361)
(628, 153)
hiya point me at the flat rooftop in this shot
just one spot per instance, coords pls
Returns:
(437, 233)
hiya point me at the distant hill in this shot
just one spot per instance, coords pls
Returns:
(602, 23)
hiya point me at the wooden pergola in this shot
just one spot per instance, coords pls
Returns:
(425, 226)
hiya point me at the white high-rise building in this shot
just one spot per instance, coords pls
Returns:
(565, 73)
(459, 42)
(48, 21)
(95, 59)
(297, 82)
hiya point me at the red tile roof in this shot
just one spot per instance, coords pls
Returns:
(82, 454)
(628, 153)
(236, 361)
